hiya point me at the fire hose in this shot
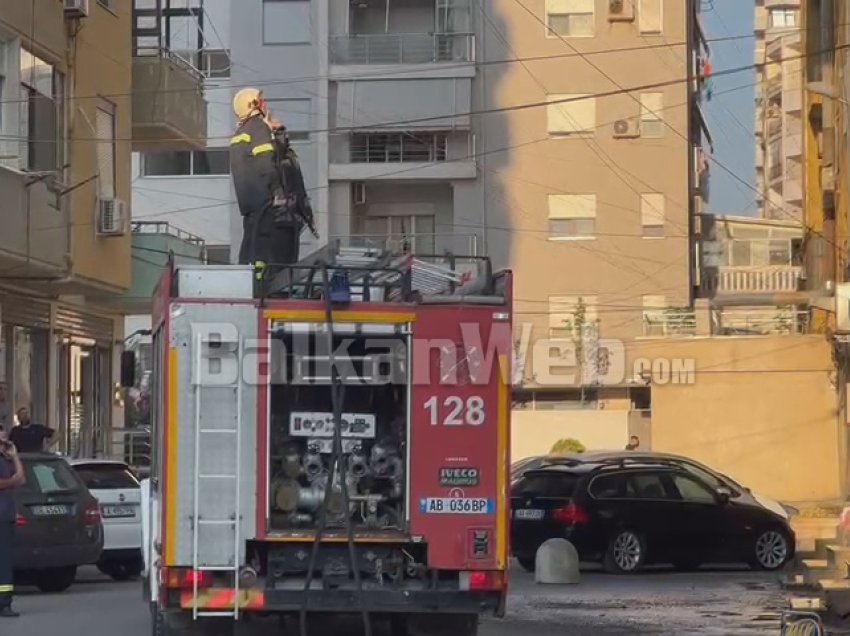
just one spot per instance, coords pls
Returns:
(337, 458)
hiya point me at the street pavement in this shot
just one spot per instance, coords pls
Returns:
(714, 603)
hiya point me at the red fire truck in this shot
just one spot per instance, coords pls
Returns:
(330, 437)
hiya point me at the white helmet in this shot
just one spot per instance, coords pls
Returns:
(246, 101)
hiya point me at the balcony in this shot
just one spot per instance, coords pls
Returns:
(667, 323)
(764, 321)
(169, 107)
(402, 48)
(757, 279)
(407, 155)
(415, 242)
(35, 241)
(152, 243)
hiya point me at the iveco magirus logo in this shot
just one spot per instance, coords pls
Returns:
(459, 476)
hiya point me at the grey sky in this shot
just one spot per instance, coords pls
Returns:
(731, 116)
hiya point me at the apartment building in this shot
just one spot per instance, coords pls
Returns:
(779, 116)
(500, 128)
(66, 124)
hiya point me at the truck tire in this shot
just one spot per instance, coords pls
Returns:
(442, 624)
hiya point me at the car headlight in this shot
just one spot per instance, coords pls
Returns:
(791, 511)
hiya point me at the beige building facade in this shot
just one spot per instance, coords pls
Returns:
(779, 112)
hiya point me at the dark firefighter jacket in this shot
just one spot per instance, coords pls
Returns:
(263, 167)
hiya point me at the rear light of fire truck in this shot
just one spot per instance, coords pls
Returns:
(483, 581)
(181, 578)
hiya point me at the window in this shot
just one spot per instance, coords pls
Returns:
(414, 232)
(286, 22)
(42, 114)
(609, 487)
(50, 476)
(647, 486)
(652, 215)
(183, 163)
(398, 147)
(565, 315)
(218, 254)
(654, 309)
(651, 109)
(572, 216)
(783, 18)
(693, 491)
(296, 115)
(106, 477)
(570, 114)
(547, 484)
(215, 63)
(570, 18)
(105, 127)
(651, 16)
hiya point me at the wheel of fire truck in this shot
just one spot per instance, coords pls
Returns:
(434, 625)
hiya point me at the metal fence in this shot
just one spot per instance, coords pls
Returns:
(402, 48)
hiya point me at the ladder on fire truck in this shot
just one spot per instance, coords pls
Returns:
(376, 274)
(217, 470)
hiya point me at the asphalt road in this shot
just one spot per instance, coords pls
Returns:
(714, 603)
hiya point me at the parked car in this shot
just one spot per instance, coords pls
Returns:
(712, 477)
(58, 524)
(630, 514)
(118, 492)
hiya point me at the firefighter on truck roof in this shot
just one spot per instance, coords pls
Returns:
(269, 185)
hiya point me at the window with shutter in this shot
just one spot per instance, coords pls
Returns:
(651, 115)
(105, 126)
(572, 216)
(650, 16)
(652, 215)
(571, 114)
(570, 18)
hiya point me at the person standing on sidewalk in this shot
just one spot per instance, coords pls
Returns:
(29, 437)
(11, 477)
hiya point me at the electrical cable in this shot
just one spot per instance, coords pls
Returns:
(337, 466)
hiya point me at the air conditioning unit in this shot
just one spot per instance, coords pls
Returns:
(111, 217)
(359, 194)
(621, 10)
(76, 8)
(626, 129)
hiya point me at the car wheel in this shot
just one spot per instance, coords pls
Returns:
(125, 570)
(626, 553)
(771, 550)
(56, 579)
(527, 563)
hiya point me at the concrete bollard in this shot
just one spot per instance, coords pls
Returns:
(556, 563)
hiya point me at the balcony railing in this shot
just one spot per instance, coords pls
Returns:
(758, 279)
(669, 322)
(165, 228)
(402, 48)
(398, 148)
(760, 322)
(416, 242)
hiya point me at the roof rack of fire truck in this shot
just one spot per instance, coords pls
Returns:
(380, 275)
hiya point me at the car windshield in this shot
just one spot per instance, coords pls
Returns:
(49, 476)
(106, 477)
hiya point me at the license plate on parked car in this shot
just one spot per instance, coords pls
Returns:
(114, 512)
(528, 514)
(50, 511)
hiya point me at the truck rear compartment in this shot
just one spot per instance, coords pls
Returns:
(373, 371)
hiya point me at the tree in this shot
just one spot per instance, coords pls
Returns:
(567, 446)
